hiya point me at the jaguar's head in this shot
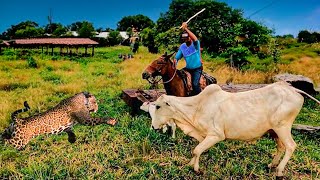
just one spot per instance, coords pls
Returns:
(91, 102)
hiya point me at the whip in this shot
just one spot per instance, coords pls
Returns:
(194, 16)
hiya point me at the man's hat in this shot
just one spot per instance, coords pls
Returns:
(184, 34)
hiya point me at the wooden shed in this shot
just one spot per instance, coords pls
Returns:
(55, 42)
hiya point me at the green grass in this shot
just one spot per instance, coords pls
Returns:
(129, 150)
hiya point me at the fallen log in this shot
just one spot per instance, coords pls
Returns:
(308, 128)
(298, 81)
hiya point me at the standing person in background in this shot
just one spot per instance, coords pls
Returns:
(190, 51)
(134, 39)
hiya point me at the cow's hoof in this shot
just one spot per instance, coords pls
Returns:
(199, 172)
(279, 177)
(271, 169)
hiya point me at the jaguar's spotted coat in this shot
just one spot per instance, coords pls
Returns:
(60, 118)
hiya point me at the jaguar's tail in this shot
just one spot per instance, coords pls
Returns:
(25, 109)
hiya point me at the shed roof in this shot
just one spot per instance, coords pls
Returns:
(4, 43)
(55, 41)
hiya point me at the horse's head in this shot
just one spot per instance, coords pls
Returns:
(158, 67)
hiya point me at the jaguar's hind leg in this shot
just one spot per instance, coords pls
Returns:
(71, 135)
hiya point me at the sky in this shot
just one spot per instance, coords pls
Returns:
(284, 16)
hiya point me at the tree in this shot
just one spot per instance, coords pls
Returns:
(114, 38)
(254, 34)
(148, 39)
(217, 27)
(86, 29)
(168, 41)
(316, 36)
(56, 29)
(179, 11)
(50, 28)
(109, 29)
(308, 37)
(100, 29)
(139, 21)
(29, 32)
(59, 31)
(75, 26)
(26, 28)
(286, 36)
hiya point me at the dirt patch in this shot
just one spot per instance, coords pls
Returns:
(12, 86)
(306, 58)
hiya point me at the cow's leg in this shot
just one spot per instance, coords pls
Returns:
(173, 127)
(195, 135)
(280, 149)
(284, 134)
(203, 146)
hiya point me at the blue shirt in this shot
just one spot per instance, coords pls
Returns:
(191, 55)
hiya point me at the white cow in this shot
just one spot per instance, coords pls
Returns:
(215, 115)
(146, 106)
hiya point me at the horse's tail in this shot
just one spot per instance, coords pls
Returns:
(209, 79)
(15, 113)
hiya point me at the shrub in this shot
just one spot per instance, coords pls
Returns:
(31, 62)
(237, 56)
(9, 54)
(148, 39)
(169, 40)
(83, 61)
(51, 77)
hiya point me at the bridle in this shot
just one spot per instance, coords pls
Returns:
(158, 70)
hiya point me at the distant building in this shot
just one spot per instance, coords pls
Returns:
(102, 34)
(123, 34)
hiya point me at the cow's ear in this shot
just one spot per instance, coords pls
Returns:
(157, 107)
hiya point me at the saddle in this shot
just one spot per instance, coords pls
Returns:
(205, 80)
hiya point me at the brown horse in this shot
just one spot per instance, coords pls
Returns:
(176, 82)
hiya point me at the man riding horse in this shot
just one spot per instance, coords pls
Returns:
(190, 51)
(186, 82)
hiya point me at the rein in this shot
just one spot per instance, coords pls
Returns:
(154, 83)
(174, 74)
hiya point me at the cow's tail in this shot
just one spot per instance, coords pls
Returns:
(302, 92)
(15, 113)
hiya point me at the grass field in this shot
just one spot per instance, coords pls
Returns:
(131, 150)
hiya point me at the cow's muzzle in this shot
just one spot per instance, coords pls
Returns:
(155, 129)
